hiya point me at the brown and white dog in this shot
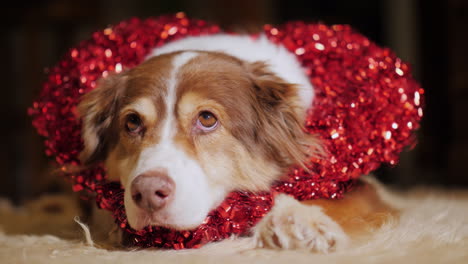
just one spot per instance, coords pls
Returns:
(204, 116)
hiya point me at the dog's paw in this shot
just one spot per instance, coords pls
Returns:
(292, 225)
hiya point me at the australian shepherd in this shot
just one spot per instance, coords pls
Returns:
(204, 116)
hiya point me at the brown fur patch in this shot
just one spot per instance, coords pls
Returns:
(97, 110)
(360, 212)
(263, 109)
(280, 119)
(100, 109)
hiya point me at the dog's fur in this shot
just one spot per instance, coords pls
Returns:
(147, 125)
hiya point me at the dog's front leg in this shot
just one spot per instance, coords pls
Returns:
(322, 225)
(294, 225)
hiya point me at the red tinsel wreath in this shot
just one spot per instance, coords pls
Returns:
(366, 108)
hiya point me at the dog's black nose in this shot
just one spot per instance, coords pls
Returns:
(152, 190)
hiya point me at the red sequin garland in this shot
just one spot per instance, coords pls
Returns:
(365, 110)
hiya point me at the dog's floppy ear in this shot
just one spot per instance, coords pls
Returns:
(281, 118)
(97, 111)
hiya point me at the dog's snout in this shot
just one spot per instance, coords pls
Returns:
(152, 190)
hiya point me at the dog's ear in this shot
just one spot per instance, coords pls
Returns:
(281, 118)
(97, 111)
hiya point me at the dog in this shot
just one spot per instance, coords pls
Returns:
(204, 116)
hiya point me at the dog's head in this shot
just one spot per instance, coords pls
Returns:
(183, 129)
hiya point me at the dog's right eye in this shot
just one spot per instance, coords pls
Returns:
(133, 124)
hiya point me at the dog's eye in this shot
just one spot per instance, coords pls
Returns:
(207, 120)
(133, 123)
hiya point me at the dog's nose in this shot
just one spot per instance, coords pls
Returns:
(152, 190)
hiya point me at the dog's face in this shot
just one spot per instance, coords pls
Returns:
(181, 130)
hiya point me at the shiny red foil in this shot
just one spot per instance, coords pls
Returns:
(366, 109)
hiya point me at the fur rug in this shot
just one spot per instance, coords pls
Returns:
(433, 229)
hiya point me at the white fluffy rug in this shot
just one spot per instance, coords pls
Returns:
(433, 229)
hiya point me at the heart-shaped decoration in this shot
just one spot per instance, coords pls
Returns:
(366, 109)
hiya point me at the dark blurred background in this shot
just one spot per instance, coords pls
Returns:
(431, 35)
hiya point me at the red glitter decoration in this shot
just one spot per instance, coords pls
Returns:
(365, 110)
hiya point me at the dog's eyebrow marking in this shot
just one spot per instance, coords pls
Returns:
(143, 106)
(170, 100)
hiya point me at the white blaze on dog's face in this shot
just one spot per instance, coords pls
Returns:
(181, 130)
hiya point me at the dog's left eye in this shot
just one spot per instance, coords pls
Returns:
(207, 121)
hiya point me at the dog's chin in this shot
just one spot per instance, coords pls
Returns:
(143, 219)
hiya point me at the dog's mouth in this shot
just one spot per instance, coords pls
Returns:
(144, 219)
(160, 219)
